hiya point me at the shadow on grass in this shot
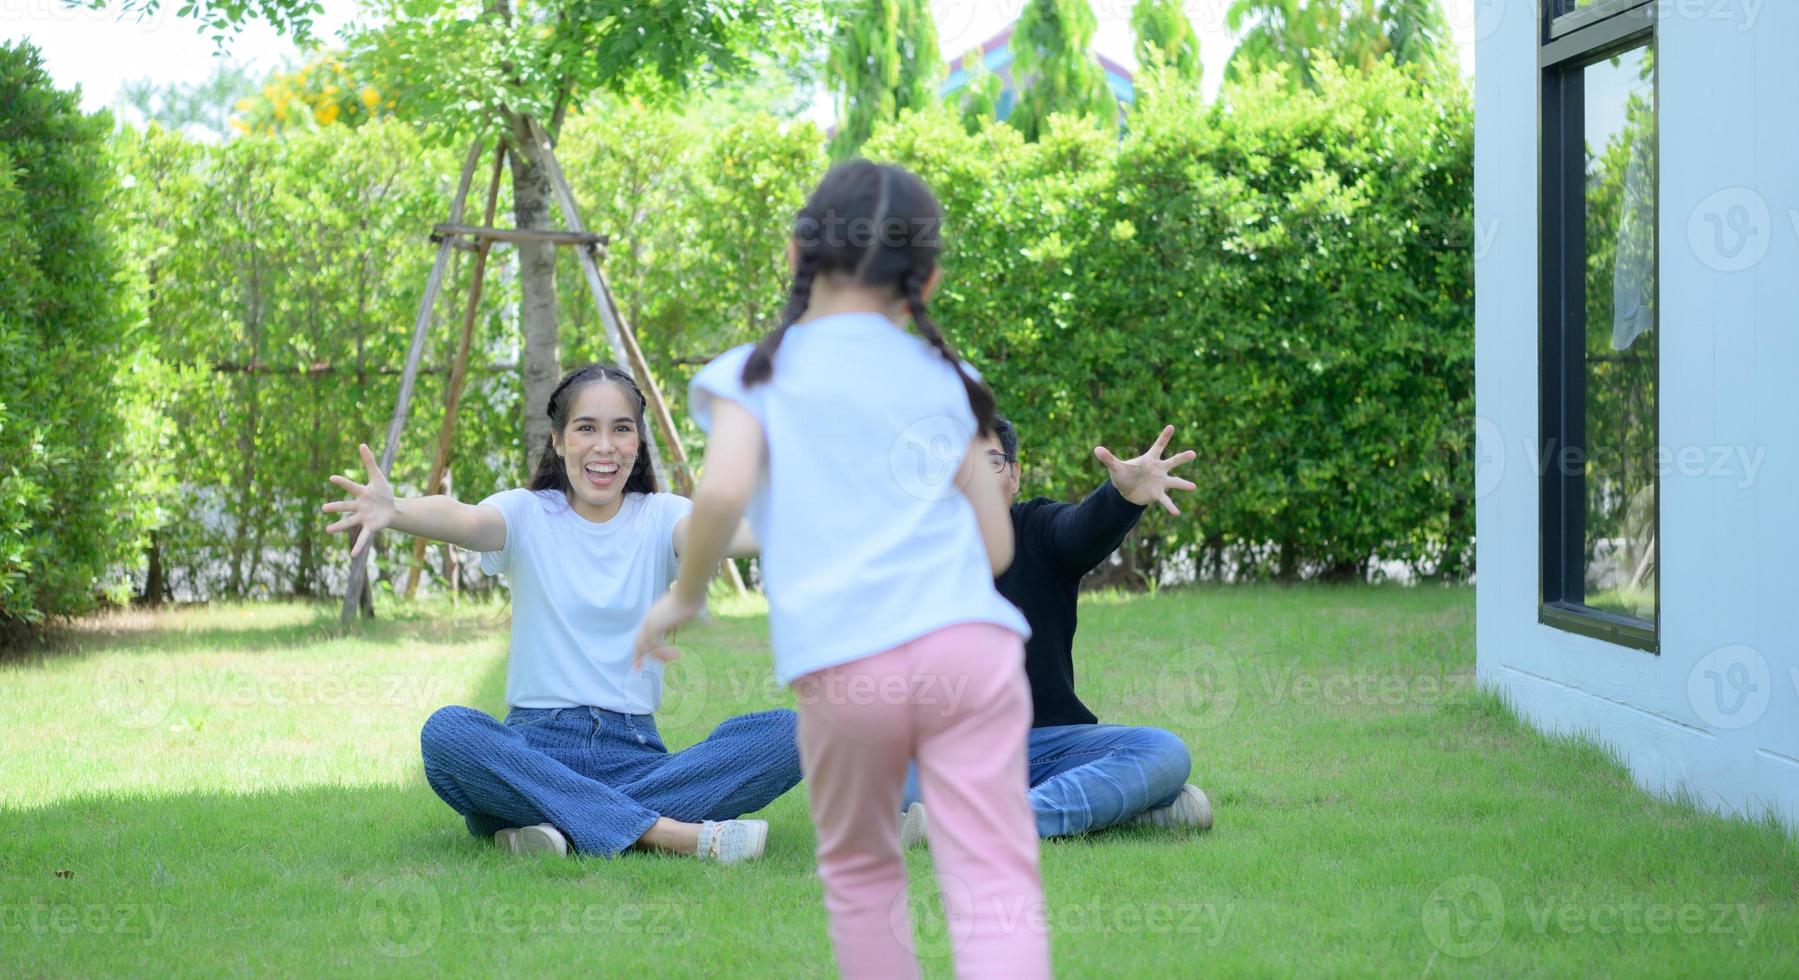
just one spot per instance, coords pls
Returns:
(368, 878)
(135, 630)
(338, 879)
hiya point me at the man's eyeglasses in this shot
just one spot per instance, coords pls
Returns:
(997, 461)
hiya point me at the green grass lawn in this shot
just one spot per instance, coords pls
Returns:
(235, 789)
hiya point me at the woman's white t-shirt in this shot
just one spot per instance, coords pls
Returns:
(866, 540)
(579, 591)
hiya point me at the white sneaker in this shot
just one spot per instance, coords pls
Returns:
(912, 826)
(1189, 809)
(731, 841)
(538, 839)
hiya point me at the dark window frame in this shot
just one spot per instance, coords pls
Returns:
(1572, 40)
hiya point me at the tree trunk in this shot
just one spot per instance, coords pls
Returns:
(366, 601)
(248, 523)
(537, 289)
(307, 573)
(1344, 570)
(155, 581)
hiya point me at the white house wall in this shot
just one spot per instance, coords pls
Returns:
(1729, 349)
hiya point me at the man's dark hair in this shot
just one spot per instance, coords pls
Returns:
(1008, 436)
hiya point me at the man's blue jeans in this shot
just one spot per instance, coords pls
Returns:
(1087, 777)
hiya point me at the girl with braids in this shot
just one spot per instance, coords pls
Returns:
(847, 439)
(578, 764)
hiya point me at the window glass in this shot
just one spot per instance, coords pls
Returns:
(1620, 334)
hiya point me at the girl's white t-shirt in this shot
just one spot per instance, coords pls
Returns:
(579, 591)
(866, 540)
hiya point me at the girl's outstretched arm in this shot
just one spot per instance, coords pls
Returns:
(734, 457)
(990, 509)
(743, 540)
(372, 507)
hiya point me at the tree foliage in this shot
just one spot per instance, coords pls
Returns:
(223, 18)
(978, 101)
(1053, 69)
(883, 61)
(463, 71)
(1165, 39)
(1297, 35)
(282, 274)
(205, 109)
(1286, 276)
(323, 92)
(78, 467)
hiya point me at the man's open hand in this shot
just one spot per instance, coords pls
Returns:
(1146, 479)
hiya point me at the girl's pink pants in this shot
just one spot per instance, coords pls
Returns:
(958, 702)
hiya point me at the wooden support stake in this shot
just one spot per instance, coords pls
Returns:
(451, 571)
(483, 233)
(359, 564)
(446, 433)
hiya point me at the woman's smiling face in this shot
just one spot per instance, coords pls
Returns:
(599, 447)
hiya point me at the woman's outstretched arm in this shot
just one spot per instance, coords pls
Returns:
(372, 507)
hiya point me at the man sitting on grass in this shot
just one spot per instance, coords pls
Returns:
(1083, 775)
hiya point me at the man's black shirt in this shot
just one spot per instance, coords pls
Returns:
(1057, 544)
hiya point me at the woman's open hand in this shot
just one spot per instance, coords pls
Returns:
(370, 507)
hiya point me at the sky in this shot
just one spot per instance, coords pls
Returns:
(100, 50)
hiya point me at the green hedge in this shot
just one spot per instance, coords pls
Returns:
(76, 443)
(1286, 276)
(282, 275)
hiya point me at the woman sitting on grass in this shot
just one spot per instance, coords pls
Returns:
(578, 764)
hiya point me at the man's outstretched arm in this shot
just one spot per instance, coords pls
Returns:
(1083, 535)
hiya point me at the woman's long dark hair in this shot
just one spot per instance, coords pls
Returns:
(552, 473)
(880, 224)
